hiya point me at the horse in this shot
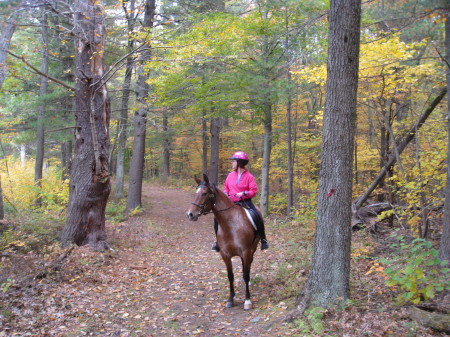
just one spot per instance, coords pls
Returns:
(236, 235)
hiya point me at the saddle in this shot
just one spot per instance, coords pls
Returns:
(255, 217)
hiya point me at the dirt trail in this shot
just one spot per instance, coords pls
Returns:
(185, 283)
(161, 279)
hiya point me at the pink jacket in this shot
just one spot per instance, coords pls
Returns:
(234, 184)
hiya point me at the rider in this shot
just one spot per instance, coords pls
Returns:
(241, 187)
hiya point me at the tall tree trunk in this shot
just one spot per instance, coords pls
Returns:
(444, 249)
(123, 121)
(205, 145)
(134, 198)
(267, 120)
(216, 126)
(267, 149)
(290, 174)
(8, 29)
(166, 147)
(328, 281)
(41, 110)
(89, 179)
(66, 159)
(2, 209)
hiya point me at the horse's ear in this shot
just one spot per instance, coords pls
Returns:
(206, 179)
(197, 180)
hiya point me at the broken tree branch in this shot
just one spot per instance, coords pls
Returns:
(404, 141)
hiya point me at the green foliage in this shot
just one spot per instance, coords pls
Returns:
(136, 211)
(416, 271)
(115, 211)
(312, 323)
(5, 285)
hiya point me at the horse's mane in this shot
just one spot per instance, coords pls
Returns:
(222, 193)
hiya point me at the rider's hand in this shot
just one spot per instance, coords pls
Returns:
(240, 195)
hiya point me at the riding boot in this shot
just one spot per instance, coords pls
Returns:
(215, 247)
(262, 234)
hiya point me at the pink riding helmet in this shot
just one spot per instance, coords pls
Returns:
(239, 155)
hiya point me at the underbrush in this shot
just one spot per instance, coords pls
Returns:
(30, 232)
(291, 268)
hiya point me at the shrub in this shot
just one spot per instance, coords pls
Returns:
(416, 271)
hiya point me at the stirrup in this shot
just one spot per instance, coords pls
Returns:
(264, 244)
(215, 247)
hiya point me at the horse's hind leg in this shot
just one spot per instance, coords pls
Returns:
(246, 266)
(229, 264)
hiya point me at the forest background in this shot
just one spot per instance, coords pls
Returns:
(222, 76)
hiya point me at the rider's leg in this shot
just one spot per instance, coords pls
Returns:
(215, 247)
(259, 225)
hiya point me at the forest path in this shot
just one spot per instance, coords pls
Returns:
(163, 280)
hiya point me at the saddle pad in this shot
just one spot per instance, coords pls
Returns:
(250, 217)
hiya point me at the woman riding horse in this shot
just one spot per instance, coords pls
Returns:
(241, 187)
(236, 235)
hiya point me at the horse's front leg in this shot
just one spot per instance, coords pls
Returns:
(228, 263)
(246, 266)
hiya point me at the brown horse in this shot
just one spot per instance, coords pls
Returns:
(236, 235)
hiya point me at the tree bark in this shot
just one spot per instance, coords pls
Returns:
(166, 147)
(405, 140)
(267, 121)
(66, 159)
(41, 110)
(134, 198)
(215, 128)
(2, 208)
(328, 281)
(444, 248)
(267, 149)
(204, 145)
(123, 121)
(5, 40)
(89, 179)
(290, 174)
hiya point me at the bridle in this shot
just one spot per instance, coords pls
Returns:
(210, 200)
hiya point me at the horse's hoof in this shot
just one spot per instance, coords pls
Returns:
(229, 304)
(248, 305)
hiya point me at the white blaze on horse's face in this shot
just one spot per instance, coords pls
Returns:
(193, 212)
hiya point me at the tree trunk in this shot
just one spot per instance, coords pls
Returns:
(328, 281)
(2, 209)
(290, 174)
(204, 145)
(66, 159)
(444, 249)
(216, 125)
(89, 179)
(134, 198)
(7, 32)
(267, 121)
(267, 148)
(166, 147)
(23, 154)
(41, 110)
(123, 121)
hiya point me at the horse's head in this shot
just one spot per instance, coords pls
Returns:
(204, 199)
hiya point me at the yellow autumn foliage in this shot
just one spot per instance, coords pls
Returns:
(20, 192)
